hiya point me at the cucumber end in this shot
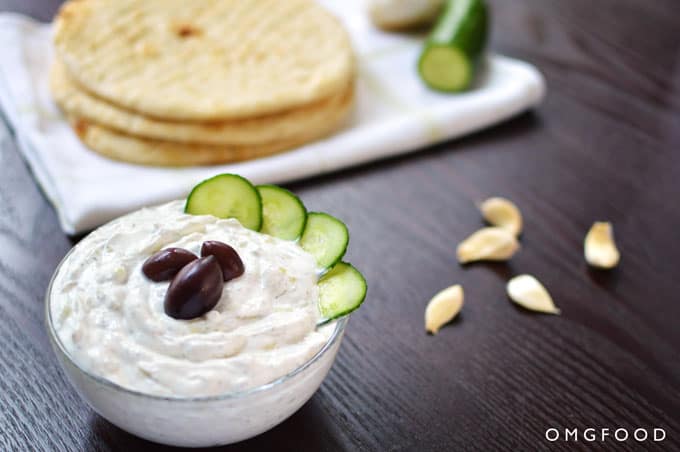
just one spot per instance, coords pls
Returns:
(445, 68)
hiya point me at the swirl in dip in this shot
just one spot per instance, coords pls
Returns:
(110, 317)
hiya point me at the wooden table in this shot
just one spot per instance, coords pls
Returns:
(605, 145)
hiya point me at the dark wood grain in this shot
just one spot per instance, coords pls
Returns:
(604, 145)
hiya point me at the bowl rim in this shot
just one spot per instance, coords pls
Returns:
(337, 334)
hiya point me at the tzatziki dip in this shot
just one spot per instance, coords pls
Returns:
(111, 320)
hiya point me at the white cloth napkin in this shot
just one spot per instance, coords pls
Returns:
(395, 114)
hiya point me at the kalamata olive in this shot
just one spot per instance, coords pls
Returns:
(165, 264)
(230, 262)
(195, 290)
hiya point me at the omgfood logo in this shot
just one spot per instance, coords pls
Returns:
(605, 434)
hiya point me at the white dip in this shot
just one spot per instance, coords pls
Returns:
(110, 317)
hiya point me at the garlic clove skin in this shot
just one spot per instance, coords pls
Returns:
(599, 246)
(528, 292)
(502, 213)
(443, 307)
(488, 244)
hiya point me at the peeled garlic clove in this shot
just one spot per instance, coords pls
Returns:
(599, 246)
(443, 307)
(488, 244)
(502, 213)
(528, 292)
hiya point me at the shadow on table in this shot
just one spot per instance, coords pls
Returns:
(606, 279)
(307, 429)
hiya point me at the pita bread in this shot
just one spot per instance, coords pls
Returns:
(287, 125)
(204, 60)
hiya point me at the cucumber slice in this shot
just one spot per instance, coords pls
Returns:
(227, 196)
(452, 52)
(283, 214)
(341, 291)
(325, 237)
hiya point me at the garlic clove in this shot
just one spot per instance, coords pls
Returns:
(443, 307)
(599, 246)
(488, 244)
(502, 213)
(403, 14)
(528, 292)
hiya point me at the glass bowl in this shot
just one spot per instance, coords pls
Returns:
(197, 421)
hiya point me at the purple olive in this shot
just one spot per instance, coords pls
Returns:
(195, 290)
(230, 262)
(166, 263)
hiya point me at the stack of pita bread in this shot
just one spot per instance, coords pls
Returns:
(177, 82)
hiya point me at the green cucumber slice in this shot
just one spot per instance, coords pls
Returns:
(283, 214)
(341, 291)
(227, 196)
(325, 237)
(452, 51)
